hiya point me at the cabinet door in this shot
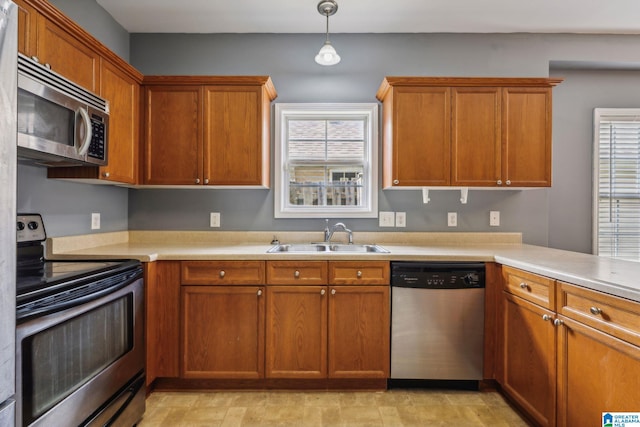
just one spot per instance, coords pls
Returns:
(123, 96)
(173, 135)
(296, 332)
(236, 148)
(526, 132)
(596, 373)
(359, 332)
(27, 29)
(162, 297)
(529, 358)
(417, 137)
(67, 55)
(475, 136)
(222, 332)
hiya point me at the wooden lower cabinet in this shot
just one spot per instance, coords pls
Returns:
(568, 353)
(222, 331)
(296, 332)
(162, 297)
(358, 341)
(529, 359)
(596, 373)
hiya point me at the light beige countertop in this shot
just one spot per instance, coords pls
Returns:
(616, 277)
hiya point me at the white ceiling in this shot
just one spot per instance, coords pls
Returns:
(377, 16)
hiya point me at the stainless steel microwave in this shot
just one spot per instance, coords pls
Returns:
(59, 122)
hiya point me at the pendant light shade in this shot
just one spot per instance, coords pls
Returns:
(327, 54)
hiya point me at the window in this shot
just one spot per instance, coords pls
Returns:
(617, 184)
(326, 161)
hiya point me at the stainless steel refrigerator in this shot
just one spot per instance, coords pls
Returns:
(8, 168)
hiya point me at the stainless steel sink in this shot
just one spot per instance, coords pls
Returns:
(327, 247)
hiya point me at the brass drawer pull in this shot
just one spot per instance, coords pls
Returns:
(359, 273)
(523, 285)
(221, 274)
(296, 274)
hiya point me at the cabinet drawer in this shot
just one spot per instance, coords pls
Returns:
(296, 272)
(223, 273)
(531, 287)
(613, 315)
(358, 273)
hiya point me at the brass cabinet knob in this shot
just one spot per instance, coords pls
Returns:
(206, 181)
(333, 291)
(499, 182)
(197, 180)
(222, 273)
(546, 317)
(359, 273)
(558, 322)
(523, 285)
(595, 311)
(322, 292)
(396, 182)
(296, 274)
(106, 174)
(259, 292)
(508, 182)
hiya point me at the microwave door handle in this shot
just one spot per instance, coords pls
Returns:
(84, 147)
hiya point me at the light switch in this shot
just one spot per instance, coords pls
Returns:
(386, 219)
(214, 220)
(95, 221)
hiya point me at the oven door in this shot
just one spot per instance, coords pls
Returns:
(72, 364)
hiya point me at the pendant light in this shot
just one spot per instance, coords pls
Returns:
(327, 54)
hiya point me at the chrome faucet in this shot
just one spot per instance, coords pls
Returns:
(338, 226)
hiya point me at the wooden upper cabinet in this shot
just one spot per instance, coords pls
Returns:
(27, 28)
(475, 136)
(416, 137)
(173, 135)
(67, 55)
(526, 134)
(456, 131)
(236, 146)
(123, 94)
(208, 130)
(59, 43)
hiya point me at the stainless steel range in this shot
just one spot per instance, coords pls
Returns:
(79, 337)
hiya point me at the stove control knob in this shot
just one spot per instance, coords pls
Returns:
(32, 225)
(20, 226)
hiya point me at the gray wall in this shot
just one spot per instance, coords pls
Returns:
(570, 198)
(558, 217)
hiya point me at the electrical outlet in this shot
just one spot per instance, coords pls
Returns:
(386, 219)
(494, 218)
(452, 219)
(401, 219)
(95, 221)
(214, 219)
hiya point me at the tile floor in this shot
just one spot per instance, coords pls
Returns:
(395, 407)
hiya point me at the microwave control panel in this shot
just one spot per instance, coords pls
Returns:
(98, 138)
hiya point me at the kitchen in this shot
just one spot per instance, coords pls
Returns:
(558, 217)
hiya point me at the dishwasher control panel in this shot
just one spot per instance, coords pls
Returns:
(437, 275)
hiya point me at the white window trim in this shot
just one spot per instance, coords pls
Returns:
(284, 111)
(597, 115)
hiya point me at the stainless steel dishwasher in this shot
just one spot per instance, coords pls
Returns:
(437, 320)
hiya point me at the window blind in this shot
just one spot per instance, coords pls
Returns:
(617, 196)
